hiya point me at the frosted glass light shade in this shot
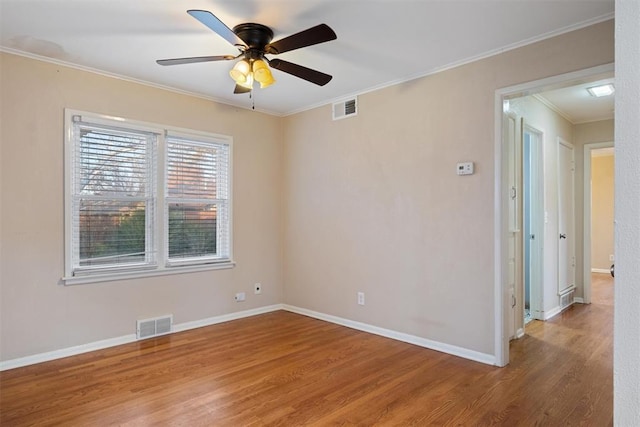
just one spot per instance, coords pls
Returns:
(262, 73)
(240, 72)
(248, 83)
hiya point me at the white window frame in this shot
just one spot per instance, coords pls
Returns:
(159, 228)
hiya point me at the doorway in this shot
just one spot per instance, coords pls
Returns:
(602, 241)
(506, 310)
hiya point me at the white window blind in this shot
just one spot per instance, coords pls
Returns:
(197, 200)
(113, 197)
(143, 200)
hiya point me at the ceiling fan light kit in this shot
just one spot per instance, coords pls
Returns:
(245, 72)
(254, 42)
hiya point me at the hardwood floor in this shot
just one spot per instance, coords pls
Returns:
(285, 369)
(602, 289)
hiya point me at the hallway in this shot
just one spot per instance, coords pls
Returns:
(572, 356)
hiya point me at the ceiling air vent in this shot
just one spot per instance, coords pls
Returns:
(148, 328)
(348, 108)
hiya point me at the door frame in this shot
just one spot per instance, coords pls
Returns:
(501, 194)
(586, 232)
(513, 257)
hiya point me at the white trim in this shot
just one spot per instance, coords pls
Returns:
(226, 317)
(546, 315)
(599, 119)
(111, 277)
(578, 300)
(601, 270)
(501, 338)
(554, 82)
(586, 218)
(519, 333)
(553, 107)
(460, 63)
(570, 289)
(66, 352)
(131, 79)
(493, 52)
(500, 230)
(126, 339)
(157, 128)
(399, 336)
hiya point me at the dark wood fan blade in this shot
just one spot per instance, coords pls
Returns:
(191, 60)
(211, 21)
(241, 89)
(314, 35)
(305, 73)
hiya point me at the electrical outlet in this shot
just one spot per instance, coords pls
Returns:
(360, 298)
(240, 296)
(611, 258)
(257, 288)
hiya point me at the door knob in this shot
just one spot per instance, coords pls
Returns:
(563, 236)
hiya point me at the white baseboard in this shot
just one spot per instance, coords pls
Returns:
(601, 270)
(553, 312)
(66, 352)
(225, 318)
(126, 339)
(578, 300)
(112, 342)
(476, 356)
(519, 333)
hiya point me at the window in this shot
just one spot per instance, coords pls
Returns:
(197, 197)
(143, 199)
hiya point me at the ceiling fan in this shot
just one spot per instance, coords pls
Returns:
(254, 42)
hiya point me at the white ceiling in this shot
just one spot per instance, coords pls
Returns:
(380, 42)
(577, 105)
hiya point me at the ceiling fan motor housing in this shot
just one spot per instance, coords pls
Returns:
(256, 36)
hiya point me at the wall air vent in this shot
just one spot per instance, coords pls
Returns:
(148, 328)
(347, 108)
(566, 300)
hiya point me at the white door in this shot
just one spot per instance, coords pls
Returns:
(566, 214)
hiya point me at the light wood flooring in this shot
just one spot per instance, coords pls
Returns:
(289, 370)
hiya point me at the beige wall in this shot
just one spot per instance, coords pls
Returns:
(37, 313)
(370, 203)
(373, 204)
(602, 192)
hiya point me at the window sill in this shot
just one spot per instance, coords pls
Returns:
(126, 275)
